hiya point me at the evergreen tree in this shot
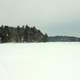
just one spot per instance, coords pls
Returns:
(26, 33)
(18, 33)
(5, 34)
(45, 38)
(21, 34)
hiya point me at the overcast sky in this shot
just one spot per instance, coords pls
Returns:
(55, 17)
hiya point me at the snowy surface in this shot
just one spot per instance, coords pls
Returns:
(40, 61)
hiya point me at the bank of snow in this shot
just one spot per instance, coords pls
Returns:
(40, 61)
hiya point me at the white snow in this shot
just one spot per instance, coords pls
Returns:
(40, 61)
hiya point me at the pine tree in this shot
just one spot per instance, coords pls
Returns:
(45, 38)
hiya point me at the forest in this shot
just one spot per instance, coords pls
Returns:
(23, 33)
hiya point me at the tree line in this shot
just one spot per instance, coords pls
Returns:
(24, 33)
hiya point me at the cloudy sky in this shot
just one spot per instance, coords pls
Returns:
(55, 17)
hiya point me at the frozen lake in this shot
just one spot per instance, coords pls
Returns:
(40, 61)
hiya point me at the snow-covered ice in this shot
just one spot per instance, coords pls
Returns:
(40, 61)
